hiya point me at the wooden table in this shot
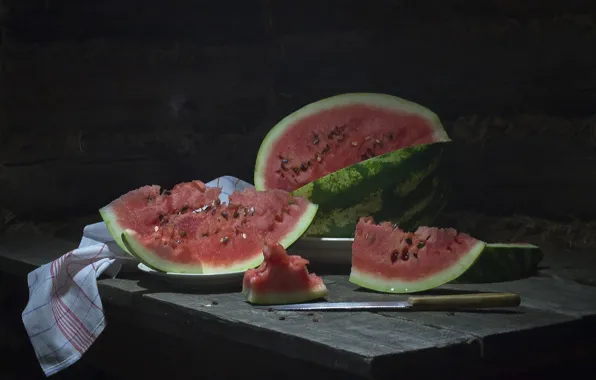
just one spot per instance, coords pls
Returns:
(553, 325)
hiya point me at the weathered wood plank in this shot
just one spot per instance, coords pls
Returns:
(519, 337)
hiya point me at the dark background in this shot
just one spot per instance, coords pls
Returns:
(100, 97)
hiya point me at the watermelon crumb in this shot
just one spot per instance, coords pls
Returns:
(281, 279)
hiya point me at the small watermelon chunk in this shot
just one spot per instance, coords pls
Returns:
(281, 278)
(388, 259)
(189, 230)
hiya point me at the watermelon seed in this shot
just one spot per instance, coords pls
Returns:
(156, 228)
(315, 320)
(252, 211)
(415, 254)
(303, 167)
(236, 214)
(214, 302)
(354, 143)
(409, 241)
(296, 170)
(405, 256)
(243, 235)
(283, 166)
(160, 217)
(326, 149)
(225, 215)
(340, 137)
(282, 318)
(367, 138)
(315, 139)
(366, 237)
(394, 256)
(183, 233)
(378, 142)
(319, 158)
(217, 202)
(224, 239)
(284, 161)
(184, 209)
(390, 135)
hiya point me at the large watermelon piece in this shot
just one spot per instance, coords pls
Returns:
(337, 132)
(387, 259)
(358, 155)
(503, 262)
(188, 229)
(281, 279)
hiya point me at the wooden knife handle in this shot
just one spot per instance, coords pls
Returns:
(465, 301)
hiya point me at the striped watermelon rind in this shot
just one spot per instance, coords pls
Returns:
(406, 186)
(500, 262)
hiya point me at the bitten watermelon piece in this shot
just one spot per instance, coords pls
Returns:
(281, 279)
(188, 229)
(358, 154)
(337, 132)
(387, 259)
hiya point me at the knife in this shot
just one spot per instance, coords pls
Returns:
(414, 303)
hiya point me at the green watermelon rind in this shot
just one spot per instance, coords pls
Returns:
(500, 262)
(397, 185)
(372, 282)
(130, 240)
(273, 298)
(114, 228)
(372, 99)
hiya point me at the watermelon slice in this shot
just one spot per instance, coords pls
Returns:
(281, 279)
(503, 262)
(388, 259)
(337, 132)
(188, 229)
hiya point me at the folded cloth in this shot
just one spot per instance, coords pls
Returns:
(64, 314)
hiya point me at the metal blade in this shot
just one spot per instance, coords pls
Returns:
(338, 306)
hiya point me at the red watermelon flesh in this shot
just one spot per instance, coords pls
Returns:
(281, 278)
(388, 259)
(188, 230)
(337, 132)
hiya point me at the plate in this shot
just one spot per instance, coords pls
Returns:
(211, 279)
(324, 250)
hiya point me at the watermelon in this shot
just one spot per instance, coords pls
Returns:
(503, 262)
(337, 132)
(189, 230)
(281, 278)
(404, 186)
(388, 259)
(348, 152)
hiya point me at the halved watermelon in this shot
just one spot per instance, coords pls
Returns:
(281, 279)
(388, 259)
(337, 132)
(188, 230)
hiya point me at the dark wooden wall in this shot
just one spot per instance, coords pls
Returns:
(99, 97)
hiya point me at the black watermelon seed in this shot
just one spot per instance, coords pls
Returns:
(303, 167)
(183, 233)
(282, 318)
(315, 139)
(296, 170)
(394, 256)
(390, 135)
(225, 215)
(405, 256)
(409, 241)
(315, 320)
(215, 302)
(236, 214)
(284, 161)
(415, 255)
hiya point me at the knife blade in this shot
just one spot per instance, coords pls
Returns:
(413, 303)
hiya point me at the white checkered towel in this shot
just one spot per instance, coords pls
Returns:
(64, 314)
